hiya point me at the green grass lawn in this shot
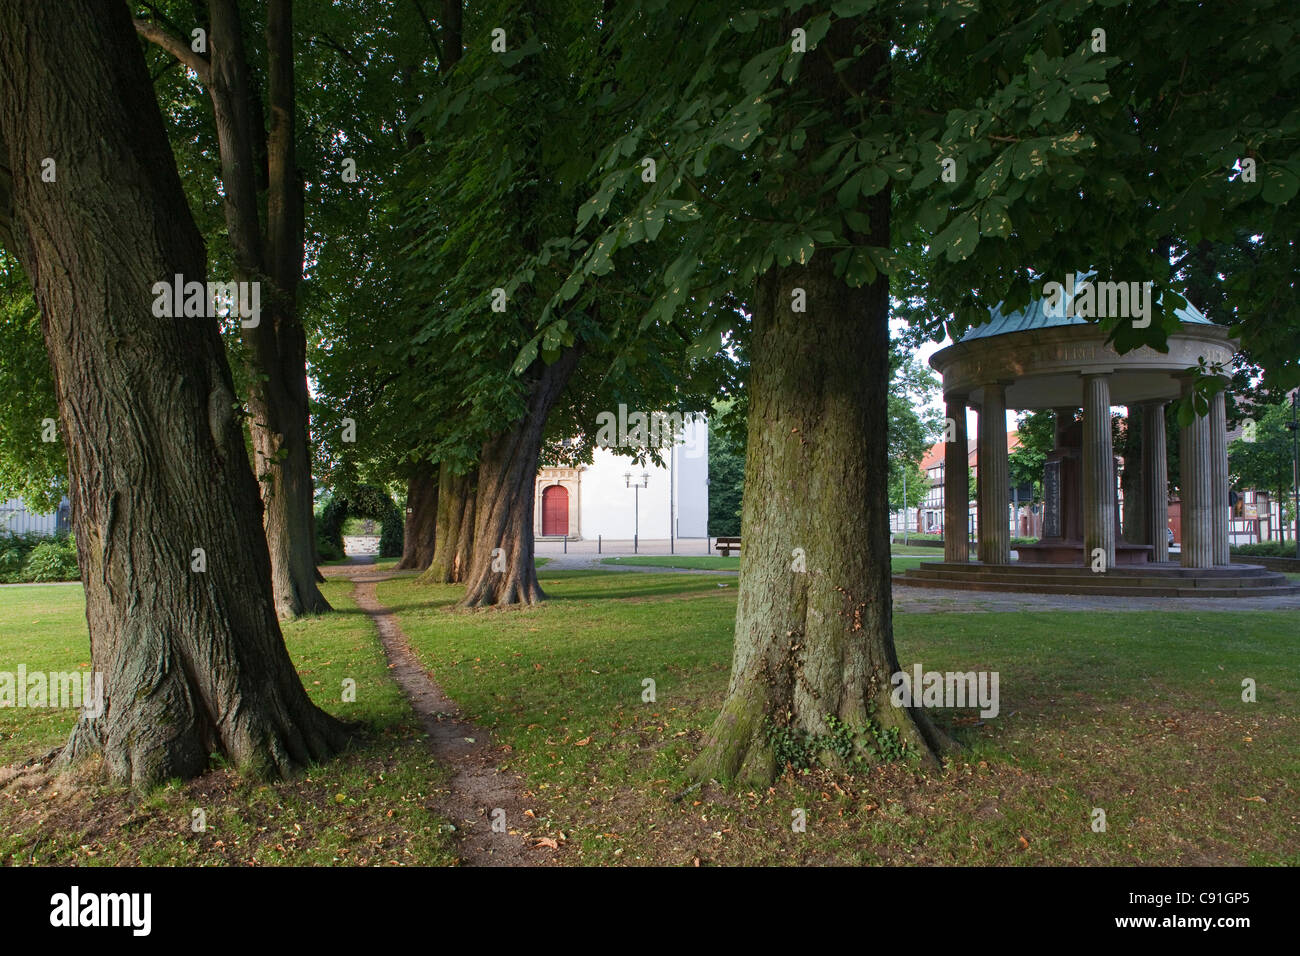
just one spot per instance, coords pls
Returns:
(388, 564)
(1139, 714)
(934, 554)
(382, 564)
(696, 562)
(370, 806)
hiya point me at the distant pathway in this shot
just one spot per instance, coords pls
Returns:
(478, 786)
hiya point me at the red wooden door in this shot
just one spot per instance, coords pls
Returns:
(555, 510)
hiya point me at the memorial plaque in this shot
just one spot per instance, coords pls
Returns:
(1052, 499)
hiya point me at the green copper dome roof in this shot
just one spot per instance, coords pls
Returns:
(1036, 317)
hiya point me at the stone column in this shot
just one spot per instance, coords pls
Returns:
(1155, 481)
(956, 483)
(994, 502)
(1196, 484)
(1098, 472)
(1133, 510)
(1219, 478)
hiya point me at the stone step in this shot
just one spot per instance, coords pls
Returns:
(1089, 580)
(1073, 570)
(1106, 589)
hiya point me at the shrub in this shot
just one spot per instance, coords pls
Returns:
(326, 551)
(54, 559)
(391, 534)
(329, 528)
(16, 550)
(1267, 549)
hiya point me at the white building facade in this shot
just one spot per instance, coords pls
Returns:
(616, 498)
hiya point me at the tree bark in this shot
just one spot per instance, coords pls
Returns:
(276, 348)
(454, 536)
(502, 570)
(817, 643)
(420, 530)
(453, 34)
(193, 660)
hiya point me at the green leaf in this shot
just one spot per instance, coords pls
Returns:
(874, 179)
(847, 196)
(817, 28)
(527, 355)
(1029, 160)
(1279, 184)
(795, 249)
(654, 223)
(994, 220)
(859, 270)
(960, 238)
(553, 337)
(931, 214)
(853, 8)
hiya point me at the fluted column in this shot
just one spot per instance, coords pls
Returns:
(1134, 508)
(956, 483)
(1219, 478)
(1155, 480)
(1098, 472)
(1196, 486)
(994, 475)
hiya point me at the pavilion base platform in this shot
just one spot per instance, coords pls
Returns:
(1143, 580)
(1066, 552)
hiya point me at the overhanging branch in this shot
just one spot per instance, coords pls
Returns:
(174, 45)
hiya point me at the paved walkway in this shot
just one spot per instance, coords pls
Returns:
(939, 600)
(935, 600)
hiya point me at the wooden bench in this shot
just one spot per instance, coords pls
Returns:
(727, 545)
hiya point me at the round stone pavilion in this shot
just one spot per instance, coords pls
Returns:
(1036, 360)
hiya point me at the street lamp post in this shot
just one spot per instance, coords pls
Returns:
(904, 507)
(1294, 426)
(642, 482)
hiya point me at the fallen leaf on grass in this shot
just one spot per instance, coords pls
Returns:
(1024, 844)
(583, 742)
(546, 842)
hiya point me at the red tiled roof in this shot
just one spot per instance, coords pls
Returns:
(934, 457)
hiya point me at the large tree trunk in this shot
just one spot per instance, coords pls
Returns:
(276, 348)
(193, 660)
(419, 534)
(502, 571)
(453, 542)
(814, 632)
(282, 446)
